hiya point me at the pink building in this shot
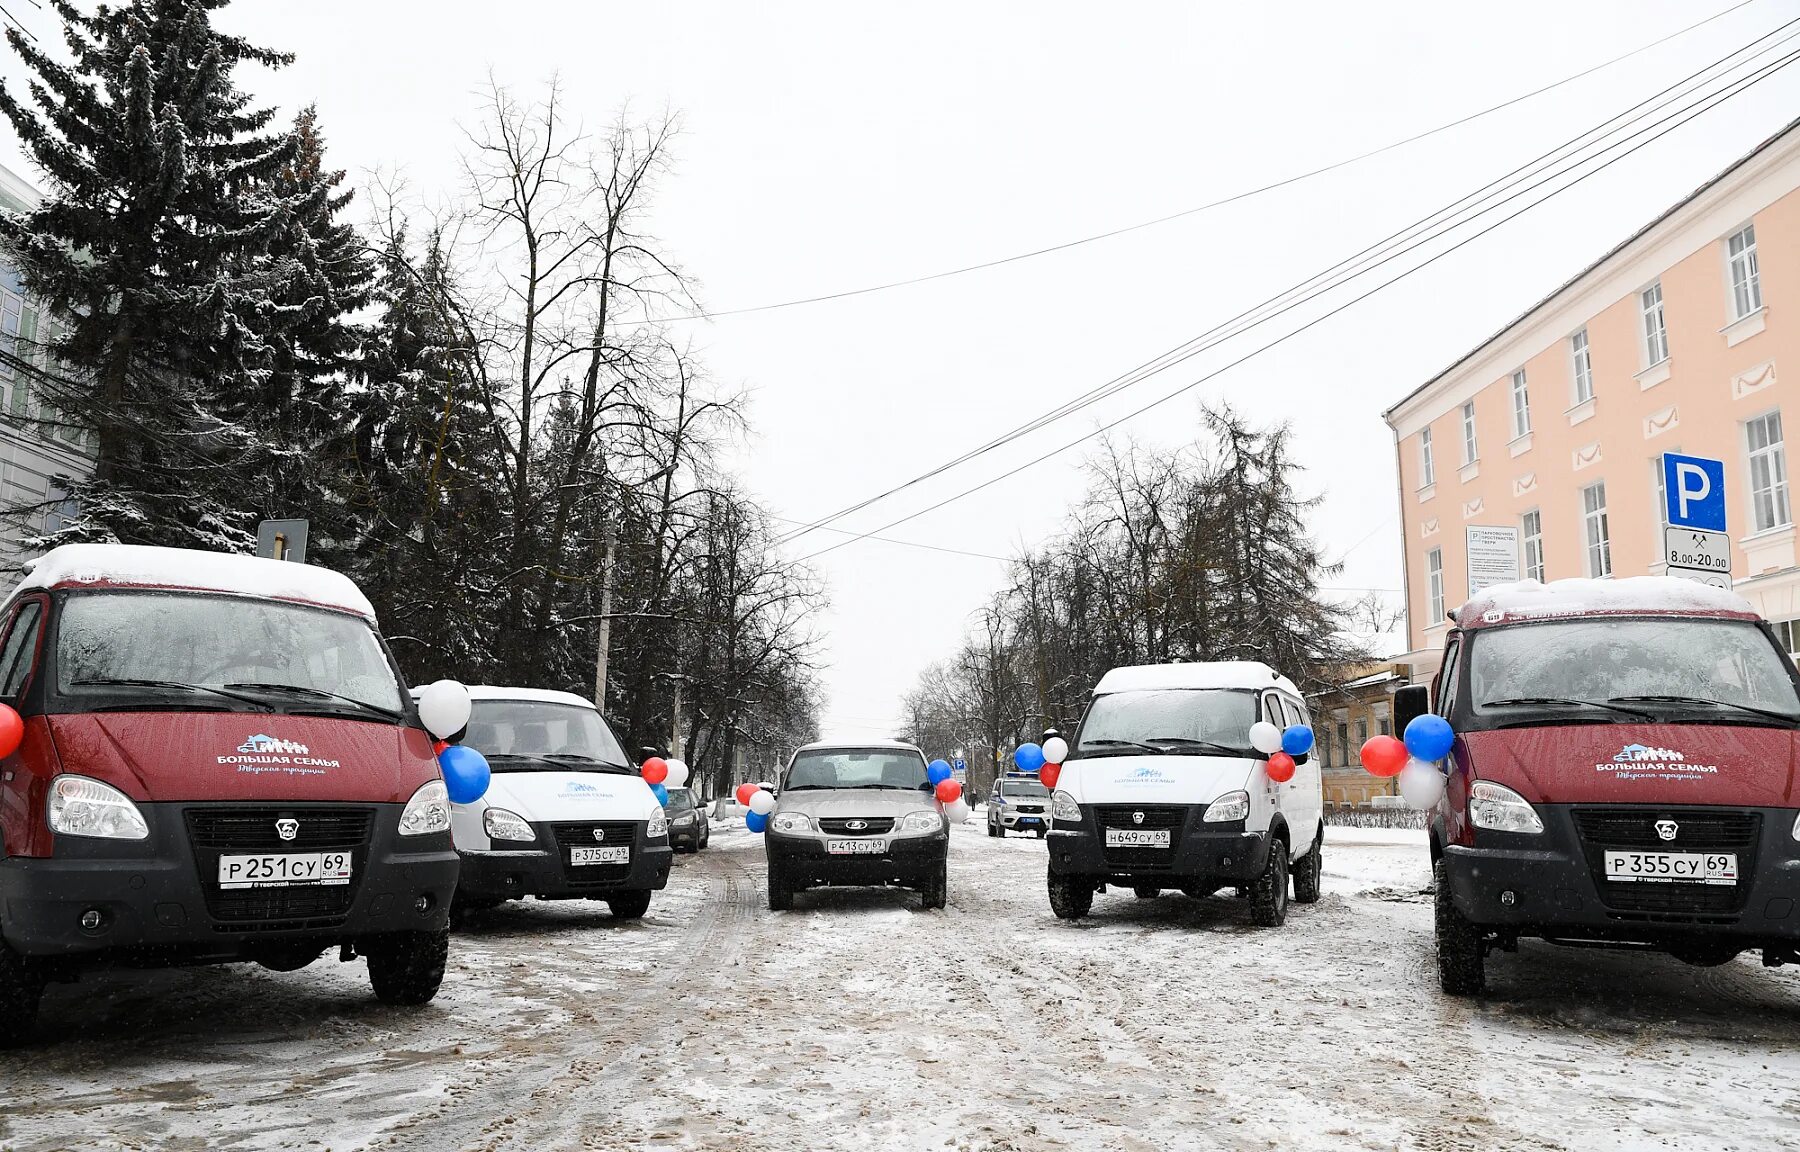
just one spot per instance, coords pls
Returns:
(1548, 438)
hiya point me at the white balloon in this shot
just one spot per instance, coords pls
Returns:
(678, 774)
(444, 708)
(1421, 784)
(1056, 750)
(762, 802)
(957, 810)
(1265, 737)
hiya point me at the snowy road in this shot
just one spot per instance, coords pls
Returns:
(859, 1022)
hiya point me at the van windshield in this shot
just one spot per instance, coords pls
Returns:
(1655, 668)
(537, 735)
(234, 649)
(1174, 721)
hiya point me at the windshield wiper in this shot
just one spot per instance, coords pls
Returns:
(1206, 745)
(1122, 744)
(1784, 717)
(584, 761)
(1563, 702)
(321, 694)
(132, 682)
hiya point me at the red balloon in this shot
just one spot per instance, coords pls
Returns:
(656, 770)
(1281, 767)
(438, 746)
(12, 731)
(744, 792)
(1048, 775)
(949, 791)
(1384, 755)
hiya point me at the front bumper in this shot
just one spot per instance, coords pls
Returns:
(159, 901)
(1016, 821)
(1198, 852)
(1552, 884)
(908, 862)
(545, 870)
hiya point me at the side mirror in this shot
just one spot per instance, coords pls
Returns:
(1410, 703)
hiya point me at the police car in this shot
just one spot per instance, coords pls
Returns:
(1018, 803)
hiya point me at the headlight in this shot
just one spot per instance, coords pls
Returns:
(683, 818)
(1230, 807)
(1501, 809)
(791, 822)
(504, 825)
(83, 807)
(427, 811)
(658, 827)
(1063, 807)
(921, 822)
(1797, 827)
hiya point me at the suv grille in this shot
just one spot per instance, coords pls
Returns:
(214, 832)
(1697, 830)
(1167, 816)
(869, 826)
(614, 833)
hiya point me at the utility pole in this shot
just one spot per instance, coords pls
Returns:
(675, 724)
(606, 607)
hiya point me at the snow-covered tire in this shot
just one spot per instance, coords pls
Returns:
(407, 967)
(629, 905)
(934, 893)
(1146, 891)
(21, 989)
(1309, 874)
(1071, 897)
(781, 895)
(1461, 952)
(1269, 891)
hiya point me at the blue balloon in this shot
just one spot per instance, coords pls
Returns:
(466, 773)
(937, 772)
(1296, 740)
(661, 793)
(1429, 737)
(755, 821)
(1029, 757)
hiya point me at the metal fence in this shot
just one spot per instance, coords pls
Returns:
(1372, 816)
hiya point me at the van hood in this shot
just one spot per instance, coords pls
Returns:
(202, 756)
(1155, 779)
(847, 803)
(1639, 763)
(540, 796)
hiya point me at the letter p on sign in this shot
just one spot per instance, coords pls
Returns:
(1694, 492)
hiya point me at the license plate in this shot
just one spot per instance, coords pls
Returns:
(1673, 867)
(1137, 837)
(618, 855)
(278, 870)
(1028, 820)
(861, 847)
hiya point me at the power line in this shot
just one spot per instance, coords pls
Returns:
(906, 543)
(1232, 199)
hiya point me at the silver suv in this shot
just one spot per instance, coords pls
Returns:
(856, 814)
(1018, 804)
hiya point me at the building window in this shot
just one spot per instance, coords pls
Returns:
(1788, 633)
(1746, 285)
(1599, 533)
(1532, 535)
(1470, 452)
(1656, 330)
(12, 308)
(1584, 367)
(1434, 586)
(1362, 731)
(1343, 744)
(1387, 728)
(1521, 405)
(1768, 472)
(1427, 467)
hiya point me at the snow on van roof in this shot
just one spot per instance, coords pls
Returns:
(189, 569)
(1530, 600)
(1215, 674)
(532, 695)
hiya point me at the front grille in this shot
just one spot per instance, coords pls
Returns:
(613, 833)
(870, 826)
(1704, 830)
(215, 832)
(1029, 809)
(253, 829)
(1167, 816)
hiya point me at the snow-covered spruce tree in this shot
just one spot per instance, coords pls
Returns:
(154, 243)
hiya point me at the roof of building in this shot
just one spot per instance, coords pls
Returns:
(1615, 250)
(1216, 674)
(17, 194)
(192, 570)
(1631, 596)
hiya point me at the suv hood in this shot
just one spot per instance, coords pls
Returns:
(1726, 764)
(1155, 779)
(833, 803)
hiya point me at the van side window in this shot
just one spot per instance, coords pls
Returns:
(1447, 682)
(20, 649)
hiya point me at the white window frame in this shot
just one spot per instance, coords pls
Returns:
(1770, 505)
(1741, 273)
(1531, 543)
(1655, 326)
(12, 316)
(1596, 531)
(1427, 465)
(1521, 405)
(1581, 363)
(1434, 587)
(1471, 449)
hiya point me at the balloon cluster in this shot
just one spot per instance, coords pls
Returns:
(758, 802)
(663, 775)
(1283, 747)
(948, 791)
(444, 709)
(1044, 759)
(1427, 740)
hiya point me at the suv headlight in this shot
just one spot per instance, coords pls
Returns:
(83, 807)
(503, 825)
(791, 822)
(427, 811)
(658, 827)
(1500, 809)
(1063, 807)
(921, 822)
(1230, 807)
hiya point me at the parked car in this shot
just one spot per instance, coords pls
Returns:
(566, 817)
(689, 829)
(220, 763)
(1622, 774)
(857, 814)
(1163, 790)
(1018, 804)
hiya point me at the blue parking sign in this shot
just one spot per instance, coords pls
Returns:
(1694, 492)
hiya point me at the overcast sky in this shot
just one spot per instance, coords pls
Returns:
(829, 146)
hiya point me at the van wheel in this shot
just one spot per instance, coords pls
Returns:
(1071, 897)
(1460, 950)
(781, 895)
(1269, 891)
(21, 989)
(935, 892)
(408, 967)
(1309, 874)
(1146, 891)
(630, 905)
